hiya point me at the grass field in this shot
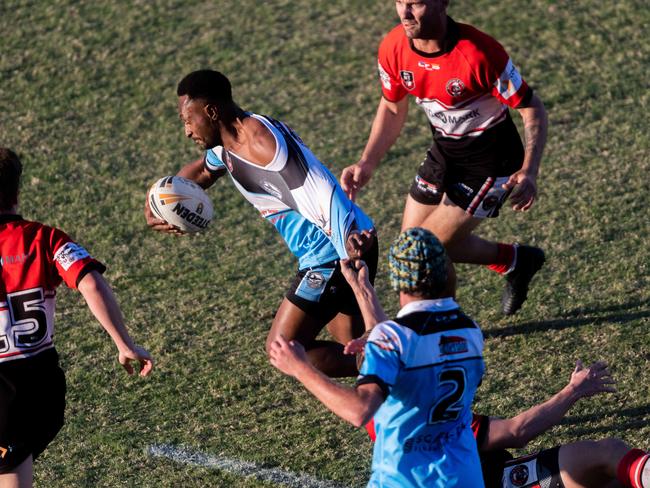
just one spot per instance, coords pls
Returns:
(87, 96)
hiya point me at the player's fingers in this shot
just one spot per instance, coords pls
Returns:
(146, 365)
(579, 366)
(512, 181)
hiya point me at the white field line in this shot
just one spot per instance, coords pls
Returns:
(191, 457)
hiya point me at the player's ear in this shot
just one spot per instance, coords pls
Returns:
(211, 111)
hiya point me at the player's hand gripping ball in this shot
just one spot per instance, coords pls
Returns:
(181, 202)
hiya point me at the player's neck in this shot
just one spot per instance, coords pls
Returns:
(436, 40)
(11, 211)
(429, 46)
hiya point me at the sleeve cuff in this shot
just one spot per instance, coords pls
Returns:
(92, 266)
(372, 378)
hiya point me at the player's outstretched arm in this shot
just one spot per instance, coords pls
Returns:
(518, 431)
(356, 274)
(356, 405)
(104, 307)
(524, 181)
(386, 128)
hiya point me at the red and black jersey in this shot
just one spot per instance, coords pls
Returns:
(465, 90)
(34, 259)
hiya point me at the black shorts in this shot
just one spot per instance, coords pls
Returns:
(32, 403)
(541, 469)
(322, 292)
(470, 173)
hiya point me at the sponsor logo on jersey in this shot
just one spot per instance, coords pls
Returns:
(383, 76)
(70, 253)
(272, 189)
(428, 66)
(455, 87)
(408, 80)
(519, 475)
(509, 81)
(4, 451)
(447, 118)
(452, 345)
(17, 259)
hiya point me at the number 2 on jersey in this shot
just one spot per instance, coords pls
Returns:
(450, 405)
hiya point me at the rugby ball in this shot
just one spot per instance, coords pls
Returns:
(180, 202)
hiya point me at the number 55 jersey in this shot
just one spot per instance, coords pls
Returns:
(34, 260)
(428, 362)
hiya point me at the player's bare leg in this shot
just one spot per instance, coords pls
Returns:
(294, 324)
(587, 464)
(21, 477)
(454, 227)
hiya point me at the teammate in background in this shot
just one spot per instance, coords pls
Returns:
(465, 82)
(583, 464)
(34, 259)
(418, 376)
(274, 170)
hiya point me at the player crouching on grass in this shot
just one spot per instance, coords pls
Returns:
(34, 259)
(418, 376)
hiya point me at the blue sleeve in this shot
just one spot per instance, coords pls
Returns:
(212, 162)
(382, 363)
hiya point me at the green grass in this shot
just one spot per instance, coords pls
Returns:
(88, 98)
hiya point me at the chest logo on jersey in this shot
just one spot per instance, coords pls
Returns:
(428, 66)
(455, 87)
(408, 80)
(452, 345)
(272, 189)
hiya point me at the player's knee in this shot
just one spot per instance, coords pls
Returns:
(612, 448)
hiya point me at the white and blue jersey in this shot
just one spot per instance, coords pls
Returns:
(297, 194)
(429, 362)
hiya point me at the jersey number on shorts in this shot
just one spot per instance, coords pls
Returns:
(27, 315)
(450, 405)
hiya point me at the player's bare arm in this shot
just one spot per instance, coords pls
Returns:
(356, 405)
(518, 431)
(356, 274)
(104, 307)
(385, 130)
(524, 181)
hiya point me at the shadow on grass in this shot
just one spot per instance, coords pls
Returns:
(575, 318)
(625, 419)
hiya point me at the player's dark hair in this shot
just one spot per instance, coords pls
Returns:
(10, 170)
(213, 87)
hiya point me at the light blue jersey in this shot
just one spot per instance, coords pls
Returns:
(297, 194)
(429, 363)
